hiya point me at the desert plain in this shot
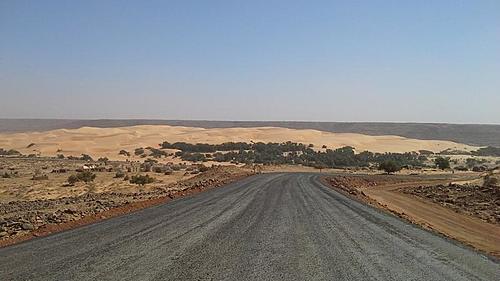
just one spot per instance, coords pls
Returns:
(37, 196)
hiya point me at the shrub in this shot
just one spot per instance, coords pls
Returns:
(139, 151)
(124, 152)
(320, 166)
(442, 163)
(146, 167)
(425, 152)
(39, 177)
(461, 168)
(86, 157)
(103, 159)
(478, 168)
(141, 179)
(6, 175)
(487, 151)
(85, 176)
(389, 166)
(203, 168)
(157, 153)
(158, 169)
(194, 157)
(72, 179)
(9, 152)
(422, 158)
(471, 162)
(60, 156)
(119, 174)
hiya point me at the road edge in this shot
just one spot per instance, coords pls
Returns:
(365, 199)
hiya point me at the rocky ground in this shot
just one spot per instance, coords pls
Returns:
(479, 201)
(353, 184)
(22, 217)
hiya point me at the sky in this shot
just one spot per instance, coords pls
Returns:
(401, 61)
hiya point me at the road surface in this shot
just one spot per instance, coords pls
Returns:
(266, 227)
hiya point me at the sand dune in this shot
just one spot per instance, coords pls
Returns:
(108, 142)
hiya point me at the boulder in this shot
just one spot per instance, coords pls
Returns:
(27, 226)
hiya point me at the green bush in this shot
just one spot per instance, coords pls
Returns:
(487, 151)
(141, 179)
(389, 166)
(442, 163)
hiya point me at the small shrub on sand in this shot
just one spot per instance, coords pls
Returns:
(85, 176)
(141, 179)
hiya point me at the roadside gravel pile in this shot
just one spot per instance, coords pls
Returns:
(21, 217)
(479, 201)
(349, 184)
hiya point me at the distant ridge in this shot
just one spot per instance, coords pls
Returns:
(473, 134)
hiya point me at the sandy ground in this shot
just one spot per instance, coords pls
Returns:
(108, 142)
(467, 229)
(24, 219)
(23, 187)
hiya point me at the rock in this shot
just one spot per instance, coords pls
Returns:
(27, 226)
(3, 234)
(70, 211)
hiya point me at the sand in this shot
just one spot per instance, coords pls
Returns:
(100, 142)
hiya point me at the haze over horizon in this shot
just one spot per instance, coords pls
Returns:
(226, 60)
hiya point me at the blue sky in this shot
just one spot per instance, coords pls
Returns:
(418, 61)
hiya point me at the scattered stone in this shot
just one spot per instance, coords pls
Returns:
(27, 226)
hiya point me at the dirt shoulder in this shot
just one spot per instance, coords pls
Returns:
(23, 220)
(393, 193)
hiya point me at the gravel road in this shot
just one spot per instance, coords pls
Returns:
(265, 227)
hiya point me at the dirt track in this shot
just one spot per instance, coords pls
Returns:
(473, 231)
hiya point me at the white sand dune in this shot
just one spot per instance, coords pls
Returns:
(99, 142)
